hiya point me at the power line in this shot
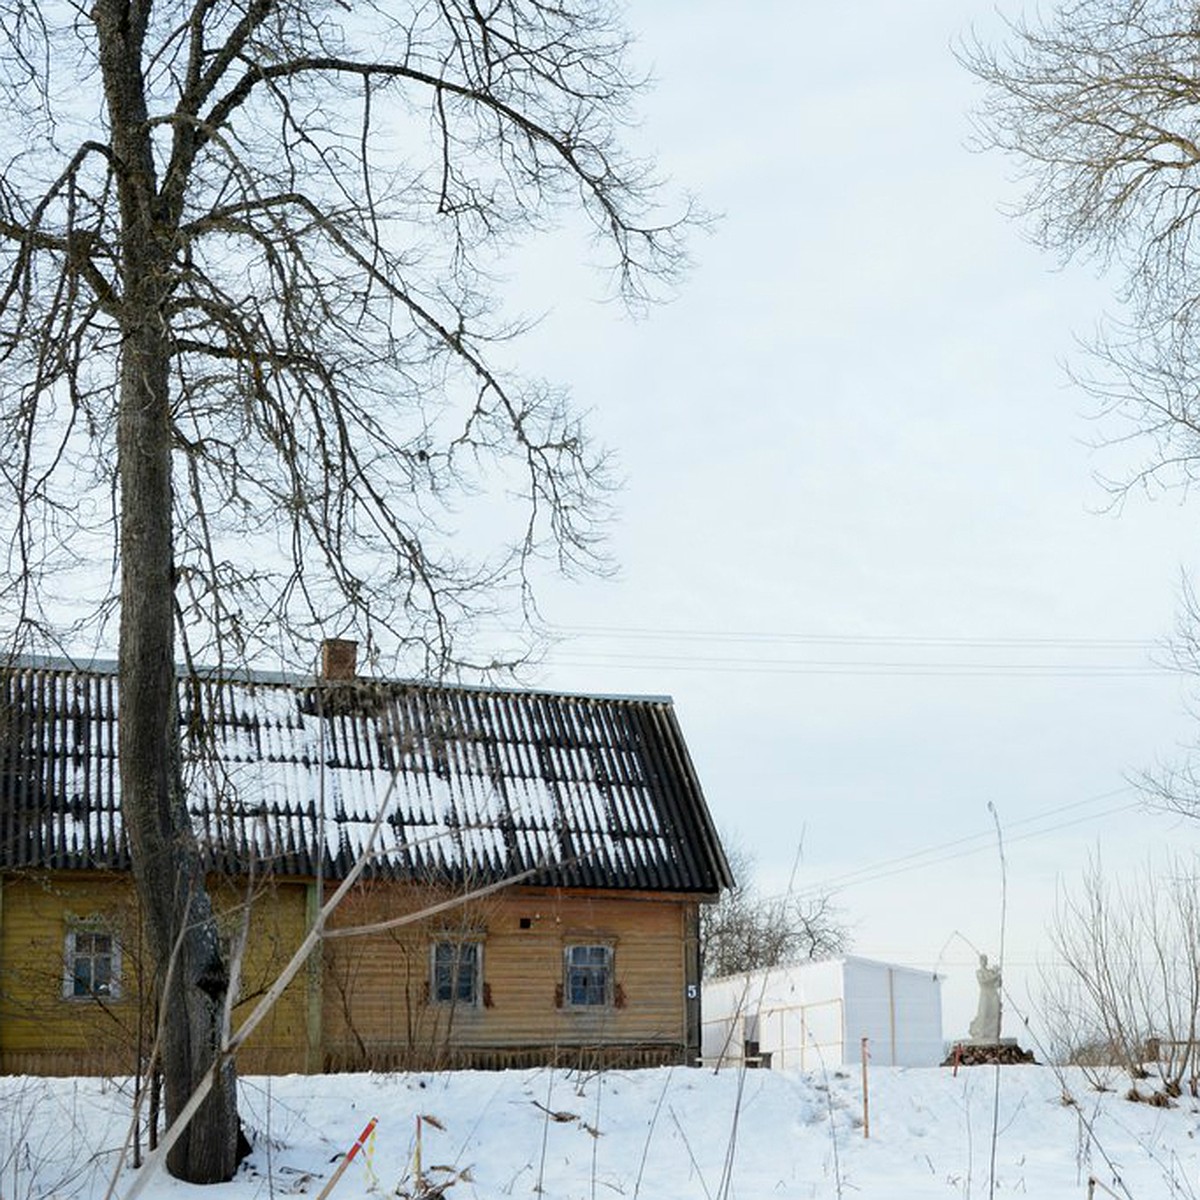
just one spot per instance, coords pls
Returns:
(993, 655)
(984, 837)
(976, 849)
(904, 669)
(965, 846)
(744, 635)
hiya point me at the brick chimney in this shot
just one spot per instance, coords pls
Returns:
(339, 660)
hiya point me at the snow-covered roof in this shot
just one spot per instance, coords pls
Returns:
(474, 783)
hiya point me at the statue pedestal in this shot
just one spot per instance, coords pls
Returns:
(976, 1052)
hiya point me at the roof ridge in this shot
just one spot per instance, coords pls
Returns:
(108, 666)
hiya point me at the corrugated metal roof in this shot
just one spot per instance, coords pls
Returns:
(473, 783)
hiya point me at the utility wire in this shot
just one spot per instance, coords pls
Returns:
(819, 889)
(741, 635)
(611, 646)
(899, 669)
(963, 847)
(984, 837)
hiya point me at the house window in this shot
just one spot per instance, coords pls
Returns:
(589, 976)
(456, 972)
(92, 963)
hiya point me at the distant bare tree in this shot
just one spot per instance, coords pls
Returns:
(745, 930)
(1126, 989)
(246, 253)
(1096, 101)
(1175, 786)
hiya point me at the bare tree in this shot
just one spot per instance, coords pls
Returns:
(245, 321)
(745, 930)
(1126, 988)
(1095, 100)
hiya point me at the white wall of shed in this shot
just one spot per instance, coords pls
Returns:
(812, 1016)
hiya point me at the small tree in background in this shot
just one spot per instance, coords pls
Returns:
(1095, 101)
(746, 930)
(1126, 987)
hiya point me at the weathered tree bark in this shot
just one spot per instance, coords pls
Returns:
(190, 975)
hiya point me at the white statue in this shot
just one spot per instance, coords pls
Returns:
(986, 1026)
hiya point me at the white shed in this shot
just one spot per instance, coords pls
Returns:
(813, 1015)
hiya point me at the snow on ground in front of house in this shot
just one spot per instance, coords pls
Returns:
(658, 1134)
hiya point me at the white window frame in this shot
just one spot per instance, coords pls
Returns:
(71, 954)
(608, 966)
(459, 945)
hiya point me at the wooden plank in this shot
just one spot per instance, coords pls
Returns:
(314, 991)
(366, 1001)
(376, 987)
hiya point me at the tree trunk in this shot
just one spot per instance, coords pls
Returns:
(191, 979)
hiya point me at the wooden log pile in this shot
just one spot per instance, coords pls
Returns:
(979, 1054)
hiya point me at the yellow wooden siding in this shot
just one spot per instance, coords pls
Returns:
(276, 928)
(43, 1032)
(373, 1008)
(377, 1010)
(40, 1030)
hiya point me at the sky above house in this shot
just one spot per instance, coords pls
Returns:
(863, 543)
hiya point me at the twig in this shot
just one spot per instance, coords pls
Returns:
(537, 1187)
(596, 1129)
(1000, 1021)
(731, 1147)
(687, 1145)
(637, 1187)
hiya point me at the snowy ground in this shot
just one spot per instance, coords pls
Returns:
(657, 1134)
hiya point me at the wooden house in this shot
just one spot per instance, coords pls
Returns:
(591, 803)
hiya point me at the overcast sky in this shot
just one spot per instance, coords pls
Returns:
(862, 543)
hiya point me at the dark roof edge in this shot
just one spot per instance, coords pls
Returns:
(706, 825)
(108, 666)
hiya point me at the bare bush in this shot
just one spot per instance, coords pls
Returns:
(1095, 101)
(1126, 990)
(745, 930)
